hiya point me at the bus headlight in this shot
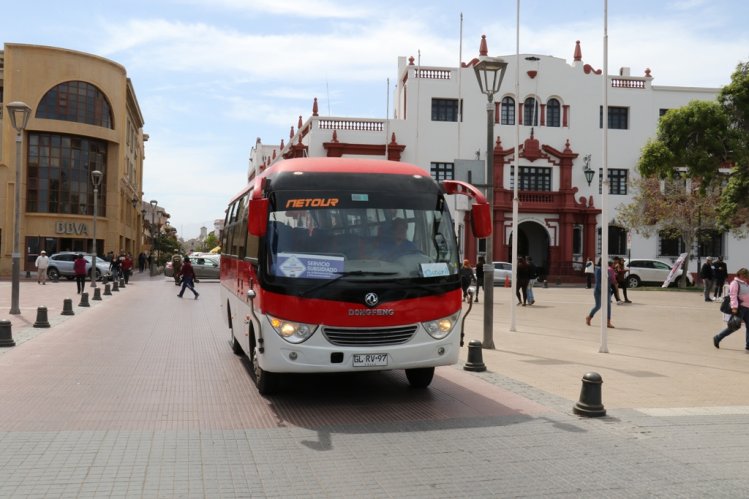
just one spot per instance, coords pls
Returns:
(293, 332)
(439, 328)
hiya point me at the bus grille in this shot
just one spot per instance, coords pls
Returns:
(369, 337)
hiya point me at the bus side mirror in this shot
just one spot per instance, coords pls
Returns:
(258, 222)
(481, 220)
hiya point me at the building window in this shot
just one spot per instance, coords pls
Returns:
(662, 111)
(508, 111)
(442, 171)
(670, 246)
(618, 117)
(617, 240)
(530, 112)
(553, 113)
(444, 109)
(710, 242)
(532, 178)
(617, 181)
(59, 174)
(76, 101)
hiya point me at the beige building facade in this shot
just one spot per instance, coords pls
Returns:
(84, 117)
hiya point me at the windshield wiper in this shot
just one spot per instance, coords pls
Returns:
(341, 275)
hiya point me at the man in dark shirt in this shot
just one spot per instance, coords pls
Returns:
(188, 276)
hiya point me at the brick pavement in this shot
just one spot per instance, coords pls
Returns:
(140, 396)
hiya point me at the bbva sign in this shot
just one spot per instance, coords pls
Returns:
(74, 228)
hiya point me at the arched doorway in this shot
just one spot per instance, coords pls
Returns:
(533, 241)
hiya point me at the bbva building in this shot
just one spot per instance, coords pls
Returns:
(84, 117)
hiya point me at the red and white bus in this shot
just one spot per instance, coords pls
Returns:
(339, 265)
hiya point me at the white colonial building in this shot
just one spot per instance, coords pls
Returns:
(560, 121)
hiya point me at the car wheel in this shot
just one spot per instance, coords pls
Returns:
(53, 273)
(420, 377)
(633, 281)
(98, 275)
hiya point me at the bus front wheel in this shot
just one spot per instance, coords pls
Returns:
(420, 377)
(266, 383)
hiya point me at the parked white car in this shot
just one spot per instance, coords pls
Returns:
(502, 270)
(651, 271)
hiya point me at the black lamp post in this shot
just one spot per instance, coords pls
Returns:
(489, 72)
(587, 170)
(96, 176)
(19, 117)
(153, 204)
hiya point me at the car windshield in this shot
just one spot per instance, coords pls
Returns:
(360, 235)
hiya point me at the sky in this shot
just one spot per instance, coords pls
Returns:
(212, 76)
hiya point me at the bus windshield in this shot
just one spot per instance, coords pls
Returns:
(359, 235)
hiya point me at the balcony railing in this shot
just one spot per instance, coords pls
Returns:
(356, 125)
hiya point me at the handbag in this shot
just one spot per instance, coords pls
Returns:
(725, 305)
(734, 323)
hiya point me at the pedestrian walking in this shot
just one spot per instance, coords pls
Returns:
(176, 266)
(141, 262)
(720, 272)
(479, 275)
(589, 273)
(466, 276)
(738, 291)
(188, 276)
(42, 262)
(706, 274)
(532, 276)
(614, 283)
(597, 294)
(621, 277)
(521, 287)
(127, 267)
(79, 270)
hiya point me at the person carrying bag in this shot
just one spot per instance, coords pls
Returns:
(738, 298)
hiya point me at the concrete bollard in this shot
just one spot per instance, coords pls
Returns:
(67, 307)
(84, 300)
(6, 334)
(41, 317)
(97, 294)
(122, 282)
(107, 290)
(115, 287)
(475, 360)
(590, 404)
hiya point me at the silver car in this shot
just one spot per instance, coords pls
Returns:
(502, 271)
(205, 267)
(61, 265)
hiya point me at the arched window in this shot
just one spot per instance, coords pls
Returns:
(553, 112)
(508, 111)
(76, 101)
(530, 112)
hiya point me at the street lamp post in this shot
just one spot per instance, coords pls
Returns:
(489, 72)
(153, 204)
(19, 118)
(96, 176)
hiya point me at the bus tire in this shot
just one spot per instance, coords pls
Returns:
(266, 383)
(235, 346)
(420, 377)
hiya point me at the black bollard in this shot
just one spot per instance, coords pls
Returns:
(84, 300)
(115, 287)
(67, 307)
(590, 404)
(6, 334)
(475, 360)
(122, 282)
(107, 290)
(97, 294)
(41, 317)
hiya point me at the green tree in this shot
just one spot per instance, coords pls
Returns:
(674, 208)
(701, 138)
(210, 242)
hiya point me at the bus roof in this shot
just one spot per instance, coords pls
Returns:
(337, 165)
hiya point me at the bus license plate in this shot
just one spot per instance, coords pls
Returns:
(370, 359)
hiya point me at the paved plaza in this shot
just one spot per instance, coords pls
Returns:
(139, 395)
